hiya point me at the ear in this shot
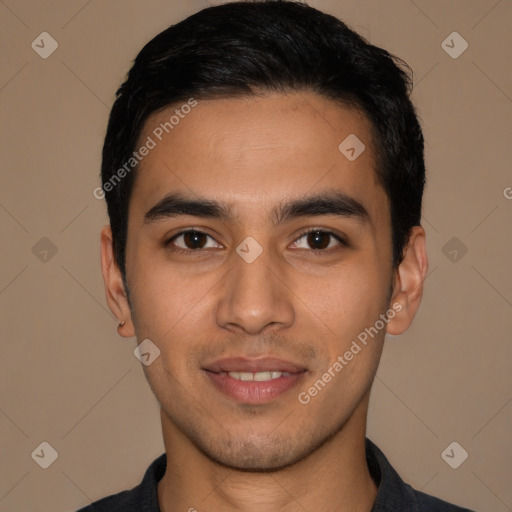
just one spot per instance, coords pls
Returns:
(117, 299)
(408, 282)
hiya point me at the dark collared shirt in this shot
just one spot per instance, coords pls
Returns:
(393, 494)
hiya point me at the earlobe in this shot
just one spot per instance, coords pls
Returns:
(117, 299)
(408, 282)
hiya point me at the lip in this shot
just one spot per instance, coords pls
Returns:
(254, 392)
(244, 364)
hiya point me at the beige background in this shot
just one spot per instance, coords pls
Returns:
(69, 380)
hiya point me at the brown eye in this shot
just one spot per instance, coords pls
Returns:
(192, 240)
(318, 240)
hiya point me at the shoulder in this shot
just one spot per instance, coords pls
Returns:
(427, 503)
(394, 494)
(125, 500)
(142, 498)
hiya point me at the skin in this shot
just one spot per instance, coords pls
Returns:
(292, 302)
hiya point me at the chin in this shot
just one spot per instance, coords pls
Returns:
(254, 461)
(256, 457)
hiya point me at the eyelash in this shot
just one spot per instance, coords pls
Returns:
(317, 252)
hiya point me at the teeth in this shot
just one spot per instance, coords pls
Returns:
(258, 376)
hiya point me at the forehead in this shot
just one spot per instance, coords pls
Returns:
(252, 152)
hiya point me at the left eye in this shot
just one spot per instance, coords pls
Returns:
(319, 240)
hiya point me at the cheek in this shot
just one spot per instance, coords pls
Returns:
(168, 304)
(348, 298)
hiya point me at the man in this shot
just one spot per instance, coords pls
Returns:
(263, 170)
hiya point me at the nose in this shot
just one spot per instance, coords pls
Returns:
(254, 296)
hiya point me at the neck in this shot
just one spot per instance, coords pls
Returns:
(334, 478)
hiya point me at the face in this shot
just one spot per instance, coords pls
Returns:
(257, 255)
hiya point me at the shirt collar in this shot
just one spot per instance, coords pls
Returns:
(393, 493)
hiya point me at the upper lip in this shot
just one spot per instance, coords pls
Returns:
(244, 364)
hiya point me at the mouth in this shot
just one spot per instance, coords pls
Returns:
(254, 381)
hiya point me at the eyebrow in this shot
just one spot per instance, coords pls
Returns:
(326, 203)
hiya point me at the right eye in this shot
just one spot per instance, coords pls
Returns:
(189, 241)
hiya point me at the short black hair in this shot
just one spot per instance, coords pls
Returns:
(252, 48)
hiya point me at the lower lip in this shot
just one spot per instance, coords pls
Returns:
(254, 392)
